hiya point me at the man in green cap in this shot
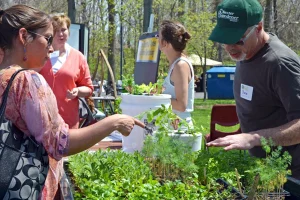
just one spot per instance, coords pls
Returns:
(266, 85)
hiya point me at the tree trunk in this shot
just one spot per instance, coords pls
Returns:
(111, 36)
(71, 10)
(275, 17)
(204, 74)
(147, 13)
(268, 16)
(220, 50)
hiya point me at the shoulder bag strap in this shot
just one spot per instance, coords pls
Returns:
(5, 95)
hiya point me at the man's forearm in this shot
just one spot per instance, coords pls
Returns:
(285, 135)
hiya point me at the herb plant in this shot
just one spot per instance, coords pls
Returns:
(150, 89)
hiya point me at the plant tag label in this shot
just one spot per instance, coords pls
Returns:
(246, 92)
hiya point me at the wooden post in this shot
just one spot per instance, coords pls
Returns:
(110, 72)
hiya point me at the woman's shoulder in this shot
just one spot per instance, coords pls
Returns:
(75, 52)
(184, 61)
(25, 75)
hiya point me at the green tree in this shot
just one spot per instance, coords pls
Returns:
(200, 26)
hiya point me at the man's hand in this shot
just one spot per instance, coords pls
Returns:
(243, 141)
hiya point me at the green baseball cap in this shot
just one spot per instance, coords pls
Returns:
(234, 17)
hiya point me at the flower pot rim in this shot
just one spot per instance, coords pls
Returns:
(146, 95)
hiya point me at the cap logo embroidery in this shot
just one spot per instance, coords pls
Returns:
(227, 15)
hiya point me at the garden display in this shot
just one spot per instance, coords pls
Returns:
(169, 167)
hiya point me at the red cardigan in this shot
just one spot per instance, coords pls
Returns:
(73, 73)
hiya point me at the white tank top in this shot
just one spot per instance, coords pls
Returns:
(170, 89)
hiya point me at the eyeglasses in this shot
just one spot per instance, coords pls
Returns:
(49, 39)
(242, 41)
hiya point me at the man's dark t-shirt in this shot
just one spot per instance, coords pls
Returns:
(267, 93)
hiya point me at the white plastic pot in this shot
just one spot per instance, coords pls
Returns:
(194, 140)
(134, 105)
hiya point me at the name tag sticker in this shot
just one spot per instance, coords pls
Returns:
(246, 92)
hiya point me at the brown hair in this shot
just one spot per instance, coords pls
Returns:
(58, 20)
(20, 16)
(175, 34)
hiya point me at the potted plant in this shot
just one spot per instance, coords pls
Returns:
(160, 121)
(140, 98)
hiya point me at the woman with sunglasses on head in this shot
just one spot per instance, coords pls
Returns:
(179, 83)
(67, 72)
(25, 38)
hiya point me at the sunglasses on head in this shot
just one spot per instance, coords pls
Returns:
(49, 39)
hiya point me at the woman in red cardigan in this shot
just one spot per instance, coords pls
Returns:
(67, 73)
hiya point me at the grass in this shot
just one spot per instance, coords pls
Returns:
(202, 112)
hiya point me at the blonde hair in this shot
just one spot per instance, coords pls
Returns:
(58, 20)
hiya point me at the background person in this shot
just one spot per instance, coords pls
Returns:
(67, 73)
(266, 83)
(25, 37)
(179, 83)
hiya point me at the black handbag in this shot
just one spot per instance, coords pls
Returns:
(86, 116)
(24, 162)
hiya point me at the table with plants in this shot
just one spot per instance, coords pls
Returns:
(168, 167)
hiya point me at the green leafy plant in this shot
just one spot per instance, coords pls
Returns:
(163, 118)
(271, 180)
(117, 103)
(169, 158)
(128, 83)
(150, 89)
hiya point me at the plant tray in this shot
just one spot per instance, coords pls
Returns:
(234, 191)
(293, 186)
(239, 196)
(272, 195)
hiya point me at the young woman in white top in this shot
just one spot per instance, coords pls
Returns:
(179, 83)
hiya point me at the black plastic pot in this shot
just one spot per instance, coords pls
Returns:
(234, 191)
(293, 186)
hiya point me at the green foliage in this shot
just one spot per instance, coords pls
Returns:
(200, 25)
(164, 117)
(118, 175)
(109, 174)
(150, 89)
(117, 103)
(167, 169)
(170, 158)
(271, 180)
